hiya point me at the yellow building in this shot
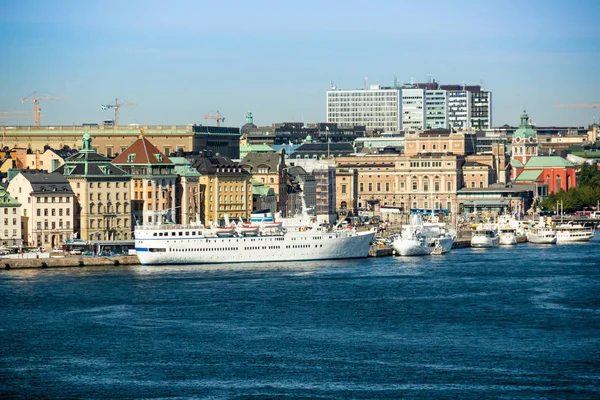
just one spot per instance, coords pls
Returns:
(225, 189)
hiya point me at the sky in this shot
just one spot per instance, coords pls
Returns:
(178, 61)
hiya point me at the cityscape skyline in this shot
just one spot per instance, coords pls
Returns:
(277, 60)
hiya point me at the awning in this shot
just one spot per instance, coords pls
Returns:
(486, 203)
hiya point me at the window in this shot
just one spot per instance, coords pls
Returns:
(130, 157)
(343, 189)
(45, 212)
(379, 186)
(362, 189)
(370, 187)
(449, 186)
(436, 186)
(68, 211)
(387, 186)
(414, 187)
(39, 212)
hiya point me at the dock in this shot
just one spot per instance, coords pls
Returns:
(66, 262)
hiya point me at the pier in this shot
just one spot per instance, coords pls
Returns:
(66, 262)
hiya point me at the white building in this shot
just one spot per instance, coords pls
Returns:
(413, 109)
(10, 220)
(377, 108)
(436, 109)
(459, 109)
(47, 207)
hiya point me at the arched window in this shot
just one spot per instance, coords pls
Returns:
(558, 187)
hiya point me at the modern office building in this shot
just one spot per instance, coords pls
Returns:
(410, 107)
(377, 108)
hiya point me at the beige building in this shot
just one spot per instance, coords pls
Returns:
(152, 190)
(102, 192)
(47, 210)
(187, 191)
(47, 160)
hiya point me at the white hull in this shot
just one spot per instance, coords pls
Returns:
(479, 242)
(508, 239)
(192, 247)
(416, 247)
(573, 233)
(544, 236)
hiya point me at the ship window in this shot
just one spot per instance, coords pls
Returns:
(172, 233)
(154, 234)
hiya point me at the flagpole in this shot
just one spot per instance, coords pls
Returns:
(327, 139)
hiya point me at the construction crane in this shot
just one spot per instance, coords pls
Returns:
(36, 105)
(217, 117)
(577, 106)
(116, 106)
(14, 114)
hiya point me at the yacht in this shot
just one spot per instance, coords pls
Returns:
(541, 235)
(486, 237)
(420, 238)
(507, 236)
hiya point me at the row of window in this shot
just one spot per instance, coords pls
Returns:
(415, 186)
(14, 210)
(108, 196)
(99, 184)
(53, 225)
(116, 224)
(53, 212)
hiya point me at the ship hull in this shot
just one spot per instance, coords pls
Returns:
(236, 249)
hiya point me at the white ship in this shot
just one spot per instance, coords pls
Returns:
(507, 235)
(570, 232)
(541, 235)
(195, 244)
(485, 238)
(422, 238)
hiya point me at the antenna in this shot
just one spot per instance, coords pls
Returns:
(428, 78)
(366, 84)
(332, 85)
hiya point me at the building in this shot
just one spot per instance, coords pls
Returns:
(47, 210)
(325, 193)
(111, 140)
(317, 151)
(102, 195)
(263, 197)
(187, 192)
(47, 160)
(527, 167)
(292, 133)
(413, 109)
(307, 185)
(377, 108)
(413, 106)
(10, 231)
(225, 188)
(153, 182)
(346, 190)
(269, 169)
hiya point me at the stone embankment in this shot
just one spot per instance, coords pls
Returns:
(66, 262)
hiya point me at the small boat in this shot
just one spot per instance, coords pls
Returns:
(507, 236)
(224, 230)
(483, 238)
(247, 229)
(420, 238)
(541, 235)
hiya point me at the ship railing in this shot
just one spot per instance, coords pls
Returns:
(154, 227)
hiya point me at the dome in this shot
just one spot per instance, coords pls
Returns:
(525, 131)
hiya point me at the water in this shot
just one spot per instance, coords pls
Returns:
(520, 322)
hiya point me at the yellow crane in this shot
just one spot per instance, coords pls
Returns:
(37, 111)
(217, 117)
(116, 106)
(577, 106)
(14, 114)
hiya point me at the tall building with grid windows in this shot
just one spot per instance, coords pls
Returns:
(411, 107)
(377, 108)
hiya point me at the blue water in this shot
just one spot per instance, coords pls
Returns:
(520, 322)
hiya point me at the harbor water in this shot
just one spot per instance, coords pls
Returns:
(508, 322)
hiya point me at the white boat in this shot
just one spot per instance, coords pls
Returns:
(247, 229)
(482, 238)
(194, 244)
(571, 232)
(420, 238)
(541, 235)
(507, 236)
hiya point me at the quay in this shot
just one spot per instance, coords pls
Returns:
(66, 262)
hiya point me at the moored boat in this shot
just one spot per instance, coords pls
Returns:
(571, 232)
(541, 235)
(507, 236)
(483, 238)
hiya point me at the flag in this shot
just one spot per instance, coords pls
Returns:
(326, 128)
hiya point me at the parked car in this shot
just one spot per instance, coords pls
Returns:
(76, 252)
(58, 250)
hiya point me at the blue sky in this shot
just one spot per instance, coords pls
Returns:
(180, 60)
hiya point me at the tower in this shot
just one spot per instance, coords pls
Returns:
(524, 142)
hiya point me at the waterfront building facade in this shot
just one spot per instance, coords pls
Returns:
(188, 201)
(270, 169)
(10, 216)
(153, 182)
(102, 195)
(225, 188)
(47, 210)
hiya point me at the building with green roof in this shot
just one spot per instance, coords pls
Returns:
(10, 219)
(187, 197)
